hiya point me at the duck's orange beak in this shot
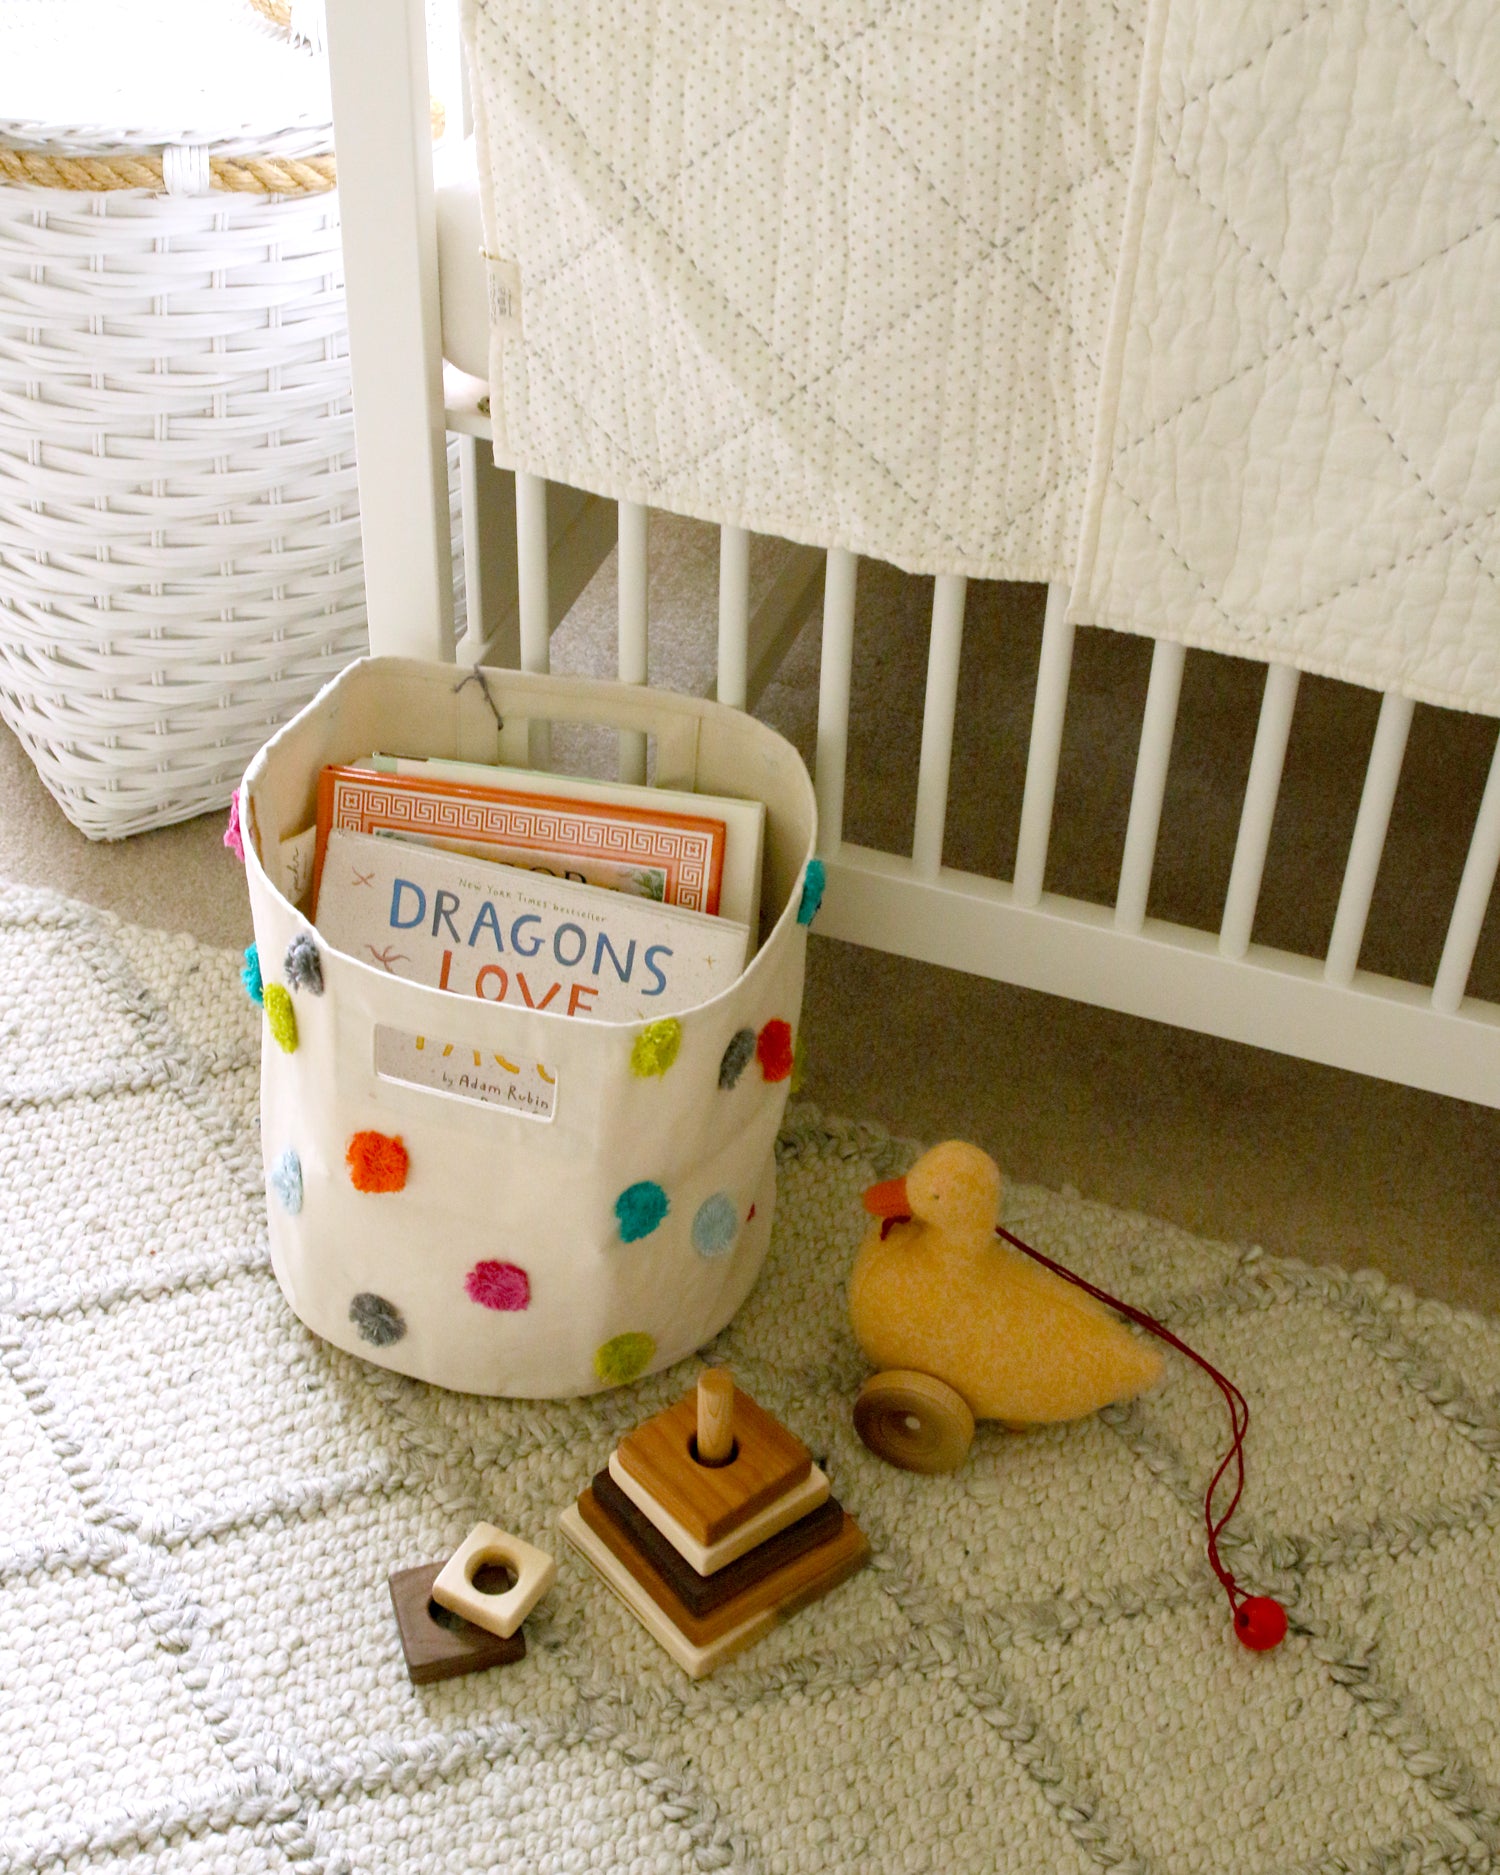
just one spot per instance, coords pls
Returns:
(888, 1199)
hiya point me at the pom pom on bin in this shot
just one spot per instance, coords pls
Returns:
(379, 1322)
(624, 1358)
(503, 1286)
(377, 1162)
(656, 1048)
(736, 1058)
(773, 1049)
(304, 964)
(286, 1181)
(250, 975)
(639, 1209)
(716, 1224)
(282, 1018)
(233, 838)
(813, 882)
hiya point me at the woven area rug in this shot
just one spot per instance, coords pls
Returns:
(198, 1663)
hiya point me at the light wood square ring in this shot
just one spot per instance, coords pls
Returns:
(534, 1571)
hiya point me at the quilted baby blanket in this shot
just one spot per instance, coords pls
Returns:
(1189, 306)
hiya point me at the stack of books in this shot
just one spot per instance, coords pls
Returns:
(591, 899)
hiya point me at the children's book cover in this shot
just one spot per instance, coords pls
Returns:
(511, 936)
(744, 820)
(639, 850)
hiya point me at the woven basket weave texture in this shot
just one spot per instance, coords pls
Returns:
(180, 564)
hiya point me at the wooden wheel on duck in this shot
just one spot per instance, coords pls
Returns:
(914, 1421)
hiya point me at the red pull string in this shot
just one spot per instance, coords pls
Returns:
(1259, 1621)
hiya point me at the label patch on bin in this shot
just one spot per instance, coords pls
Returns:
(466, 1072)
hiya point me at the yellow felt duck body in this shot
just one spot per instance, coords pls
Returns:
(934, 1292)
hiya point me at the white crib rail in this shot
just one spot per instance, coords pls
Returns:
(1220, 983)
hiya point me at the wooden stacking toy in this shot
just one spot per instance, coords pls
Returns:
(712, 1524)
(464, 1615)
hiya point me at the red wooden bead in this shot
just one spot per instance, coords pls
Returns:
(1260, 1623)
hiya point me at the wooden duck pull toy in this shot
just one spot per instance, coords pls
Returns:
(714, 1444)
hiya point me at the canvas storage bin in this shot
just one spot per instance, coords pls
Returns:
(501, 1264)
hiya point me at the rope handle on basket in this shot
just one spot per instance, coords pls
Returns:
(1259, 1622)
(240, 175)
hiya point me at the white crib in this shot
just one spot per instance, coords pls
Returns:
(531, 549)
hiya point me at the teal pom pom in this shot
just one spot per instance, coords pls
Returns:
(250, 975)
(813, 882)
(639, 1209)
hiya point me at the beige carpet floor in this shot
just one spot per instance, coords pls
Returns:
(1233, 1142)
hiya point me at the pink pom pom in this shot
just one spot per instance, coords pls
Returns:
(233, 839)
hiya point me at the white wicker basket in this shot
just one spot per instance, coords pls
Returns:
(179, 527)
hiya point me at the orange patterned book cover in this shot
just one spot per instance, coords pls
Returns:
(647, 852)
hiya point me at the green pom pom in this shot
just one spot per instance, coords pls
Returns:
(281, 1016)
(656, 1048)
(624, 1358)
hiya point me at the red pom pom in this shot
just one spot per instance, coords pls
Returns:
(1260, 1623)
(773, 1049)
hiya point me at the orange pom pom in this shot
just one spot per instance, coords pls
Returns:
(376, 1162)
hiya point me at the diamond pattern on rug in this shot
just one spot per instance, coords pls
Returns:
(43, 1511)
(911, 1778)
(1309, 1469)
(1163, 1709)
(198, 1400)
(202, 1504)
(550, 1802)
(93, 1708)
(1298, 454)
(302, 1631)
(147, 1221)
(1403, 1598)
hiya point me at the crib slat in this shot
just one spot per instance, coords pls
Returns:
(1157, 724)
(1473, 899)
(532, 598)
(1368, 842)
(634, 579)
(1047, 712)
(833, 695)
(1259, 810)
(944, 649)
(734, 617)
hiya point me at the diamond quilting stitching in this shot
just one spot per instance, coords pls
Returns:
(1425, 41)
(1456, 527)
(638, 211)
(694, 160)
(797, 411)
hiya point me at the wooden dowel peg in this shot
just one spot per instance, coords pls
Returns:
(715, 1443)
